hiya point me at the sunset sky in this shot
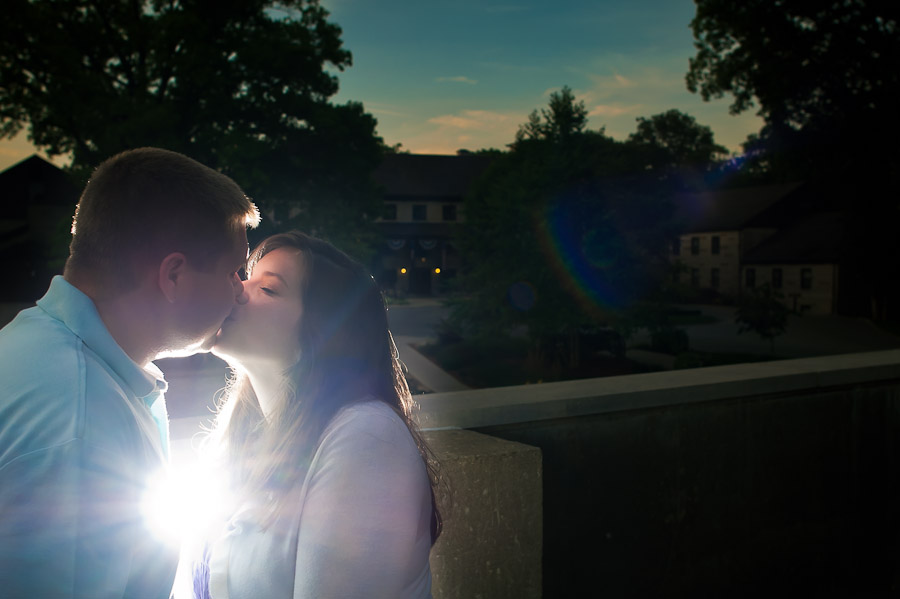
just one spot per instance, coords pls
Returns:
(441, 76)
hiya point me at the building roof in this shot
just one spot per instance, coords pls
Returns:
(32, 182)
(815, 239)
(423, 176)
(728, 209)
(417, 229)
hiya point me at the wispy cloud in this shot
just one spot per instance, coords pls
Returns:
(459, 79)
(473, 119)
(613, 110)
(623, 81)
(383, 109)
(604, 86)
(472, 129)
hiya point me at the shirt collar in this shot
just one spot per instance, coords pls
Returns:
(68, 304)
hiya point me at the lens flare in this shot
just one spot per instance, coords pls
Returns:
(181, 503)
(580, 258)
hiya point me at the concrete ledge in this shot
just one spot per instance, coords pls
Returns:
(529, 403)
(492, 506)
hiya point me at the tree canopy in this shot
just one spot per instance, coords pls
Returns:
(562, 119)
(564, 231)
(822, 73)
(678, 140)
(762, 311)
(242, 86)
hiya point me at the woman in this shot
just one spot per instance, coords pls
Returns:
(334, 483)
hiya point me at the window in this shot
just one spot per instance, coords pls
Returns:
(390, 212)
(695, 245)
(714, 278)
(805, 278)
(676, 247)
(449, 211)
(749, 278)
(777, 277)
(695, 277)
(419, 212)
(715, 244)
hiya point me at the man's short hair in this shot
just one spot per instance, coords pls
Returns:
(141, 205)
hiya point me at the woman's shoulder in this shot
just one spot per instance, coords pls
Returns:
(368, 420)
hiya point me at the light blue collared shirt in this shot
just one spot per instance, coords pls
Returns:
(82, 428)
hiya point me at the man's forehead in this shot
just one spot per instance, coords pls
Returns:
(240, 248)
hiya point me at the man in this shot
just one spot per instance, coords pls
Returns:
(158, 241)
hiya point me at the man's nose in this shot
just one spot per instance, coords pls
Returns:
(240, 294)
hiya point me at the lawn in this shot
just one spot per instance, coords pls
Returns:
(504, 361)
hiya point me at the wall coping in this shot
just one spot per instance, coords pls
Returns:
(545, 401)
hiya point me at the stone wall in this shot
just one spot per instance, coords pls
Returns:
(747, 480)
(491, 503)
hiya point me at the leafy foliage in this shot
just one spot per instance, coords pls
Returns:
(677, 141)
(803, 62)
(563, 231)
(241, 85)
(823, 75)
(760, 310)
(559, 122)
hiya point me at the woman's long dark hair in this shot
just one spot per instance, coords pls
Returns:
(346, 355)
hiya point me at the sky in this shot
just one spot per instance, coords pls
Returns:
(440, 76)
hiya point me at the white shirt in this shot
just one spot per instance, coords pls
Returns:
(360, 527)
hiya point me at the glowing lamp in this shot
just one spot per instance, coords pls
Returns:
(437, 271)
(402, 271)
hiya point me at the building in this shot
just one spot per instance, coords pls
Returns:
(719, 228)
(38, 202)
(801, 263)
(423, 204)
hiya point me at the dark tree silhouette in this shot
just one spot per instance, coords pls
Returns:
(564, 231)
(241, 85)
(678, 141)
(823, 75)
(761, 311)
(812, 66)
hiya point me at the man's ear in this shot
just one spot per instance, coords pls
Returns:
(172, 270)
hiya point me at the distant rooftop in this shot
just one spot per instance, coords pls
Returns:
(728, 209)
(429, 175)
(34, 182)
(815, 239)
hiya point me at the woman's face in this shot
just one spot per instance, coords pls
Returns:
(267, 328)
